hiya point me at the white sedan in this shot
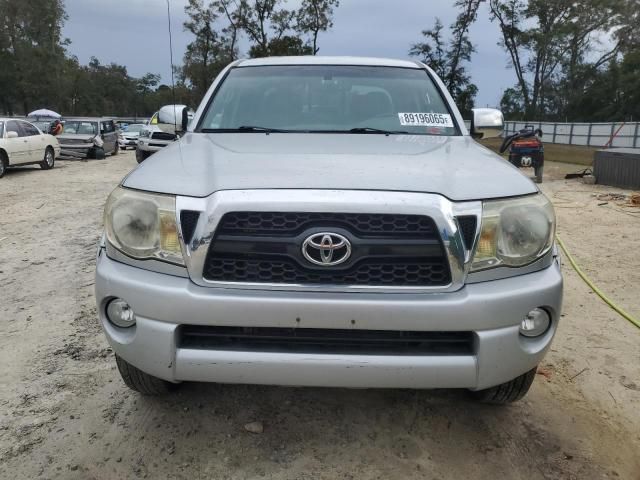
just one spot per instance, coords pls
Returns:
(22, 143)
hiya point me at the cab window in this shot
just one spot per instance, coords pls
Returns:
(13, 126)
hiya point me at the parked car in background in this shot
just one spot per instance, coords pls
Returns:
(151, 139)
(129, 135)
(22, 143)
(89, 137)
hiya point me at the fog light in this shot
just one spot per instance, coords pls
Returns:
(535, 323)
(120, 313)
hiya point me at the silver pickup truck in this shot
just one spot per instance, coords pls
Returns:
(329, 222)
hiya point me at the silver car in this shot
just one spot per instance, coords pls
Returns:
(329, 222)
(88, 137)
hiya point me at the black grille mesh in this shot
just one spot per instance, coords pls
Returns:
(320, 340)
(468, 226)
(288, 223)
(163, 136)
(188, 222)
(387, 250)
(287, 271)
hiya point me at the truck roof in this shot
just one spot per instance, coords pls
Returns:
(319, 60)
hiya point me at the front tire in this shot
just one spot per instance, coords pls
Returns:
(142, 382)
(4, 163)
(141, 155)
(49, 159)
(507, 392)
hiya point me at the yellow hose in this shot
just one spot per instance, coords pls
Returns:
(606, 299)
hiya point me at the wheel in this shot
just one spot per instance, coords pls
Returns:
(4, 163)
(507, 392)
(49, 159)
(141, 155)
(538, 172)
(142, 382)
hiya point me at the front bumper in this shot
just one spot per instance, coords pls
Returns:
(492, 310)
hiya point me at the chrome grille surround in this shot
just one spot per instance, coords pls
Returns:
(440, 209)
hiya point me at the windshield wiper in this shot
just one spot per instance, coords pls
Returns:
(376, 130)
(244, 128)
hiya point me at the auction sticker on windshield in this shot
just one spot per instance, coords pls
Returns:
(425, 119)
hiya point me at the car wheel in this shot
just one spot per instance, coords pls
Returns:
(507, 392)
(49, 159)
(142, 382)
(538, 171)
(141, 155)
(4, 163)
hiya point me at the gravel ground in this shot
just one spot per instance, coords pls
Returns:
(64, 412)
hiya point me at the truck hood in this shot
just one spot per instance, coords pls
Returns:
(456, 167)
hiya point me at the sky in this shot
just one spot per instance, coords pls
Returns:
(134, 33)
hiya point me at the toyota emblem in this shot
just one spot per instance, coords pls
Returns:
(326, 249)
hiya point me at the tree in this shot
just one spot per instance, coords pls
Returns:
(32, 52)
(551, 48)
(209, 52)
(313, 17)
(447, 59)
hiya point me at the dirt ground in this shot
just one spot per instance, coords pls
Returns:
(65, 414)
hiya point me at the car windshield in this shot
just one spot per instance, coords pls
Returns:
(134, 128)
(42, 125)
(328, 98)
(80, 127)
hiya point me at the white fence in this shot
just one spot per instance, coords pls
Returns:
(588, 134)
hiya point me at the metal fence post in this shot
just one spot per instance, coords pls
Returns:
(571, 135)
(589, 135)
(555, 126)
(635, 135)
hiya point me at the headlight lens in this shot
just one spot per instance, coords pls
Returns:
(514, 232)
(143, 225)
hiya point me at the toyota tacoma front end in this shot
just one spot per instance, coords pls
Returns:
(329, 222)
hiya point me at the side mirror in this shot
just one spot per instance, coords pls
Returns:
(12, 134)
(173, 119)
(487, 123)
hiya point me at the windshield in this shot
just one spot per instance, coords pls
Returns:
(329, 98)
(42, 125)
(134, 128)
(80, 127)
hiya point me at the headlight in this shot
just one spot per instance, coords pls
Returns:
(143, 225)
(514, 232)
(145, 133)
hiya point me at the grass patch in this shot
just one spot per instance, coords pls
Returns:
(554, 152)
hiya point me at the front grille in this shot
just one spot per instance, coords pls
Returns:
(407, 273)
(163, 136)
(327, 341)
(386, 250)
(291, 223)
(73, 141)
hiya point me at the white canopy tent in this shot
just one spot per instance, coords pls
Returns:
(43, 112)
